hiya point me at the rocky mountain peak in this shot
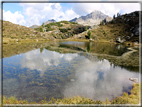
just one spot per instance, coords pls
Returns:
(91, 19)
(49, 21)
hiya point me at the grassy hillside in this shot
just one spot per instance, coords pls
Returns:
(13, 32)
(62, 29)
(124, 26)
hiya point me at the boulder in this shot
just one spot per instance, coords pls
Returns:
(91, 40)
(119, 40)
(135, 80)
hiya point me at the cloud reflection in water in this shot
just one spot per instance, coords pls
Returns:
(41, 61)
(93, 79)
(99, 81)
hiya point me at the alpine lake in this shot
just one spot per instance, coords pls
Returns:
(33, 71)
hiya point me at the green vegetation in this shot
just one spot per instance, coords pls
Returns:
(63, 30)
(54, 24)
(73, 22)
(112, 22)
(69, 28)
(89, 34)
(41, 29)
(113, 16)
(133, 98)
(49, 27)
(85, 28)
(104, 32)
(65, 22)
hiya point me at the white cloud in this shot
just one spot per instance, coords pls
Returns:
(37, 13)
(68, 15)
(107, 8)
(16, 17)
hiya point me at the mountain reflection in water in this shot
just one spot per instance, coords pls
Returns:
(42, 73)
(94, 47)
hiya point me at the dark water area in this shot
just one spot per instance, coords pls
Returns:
(41, 73)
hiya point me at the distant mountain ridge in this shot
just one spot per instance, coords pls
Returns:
(49, 21)
(91, 19)
(45, 23)
(34, 26)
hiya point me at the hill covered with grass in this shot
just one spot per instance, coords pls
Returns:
(14, 32)
(125, 27)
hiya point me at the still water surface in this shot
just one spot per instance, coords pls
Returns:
(41, 73)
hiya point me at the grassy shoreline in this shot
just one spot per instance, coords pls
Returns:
(133, 98)
(9, 40)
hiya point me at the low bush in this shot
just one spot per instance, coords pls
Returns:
(63, 30)
(66, 22)
(89, 34)
(73, 22)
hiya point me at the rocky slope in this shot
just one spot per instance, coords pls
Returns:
(91, 19)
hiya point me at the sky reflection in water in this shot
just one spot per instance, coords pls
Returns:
(36, 75)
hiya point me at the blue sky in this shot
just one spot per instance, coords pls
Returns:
(28, 14)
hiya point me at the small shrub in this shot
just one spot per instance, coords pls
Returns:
(5, 42)
(104, 32)
(49, 29)
(89, 34)
(63, 30)
(69, 28)
(66, 22)
(85, 28)
(98, 102)
(61, 36)
(59, 24)
(41, 29)
(112, 22)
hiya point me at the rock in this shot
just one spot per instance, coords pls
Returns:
(128, 37)
(90, 39)
(135, 80)
(127, 20)
(136, 43)
(56, 32)
(132, 35)
(54, 27)
(44, 29)
(119, 40)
